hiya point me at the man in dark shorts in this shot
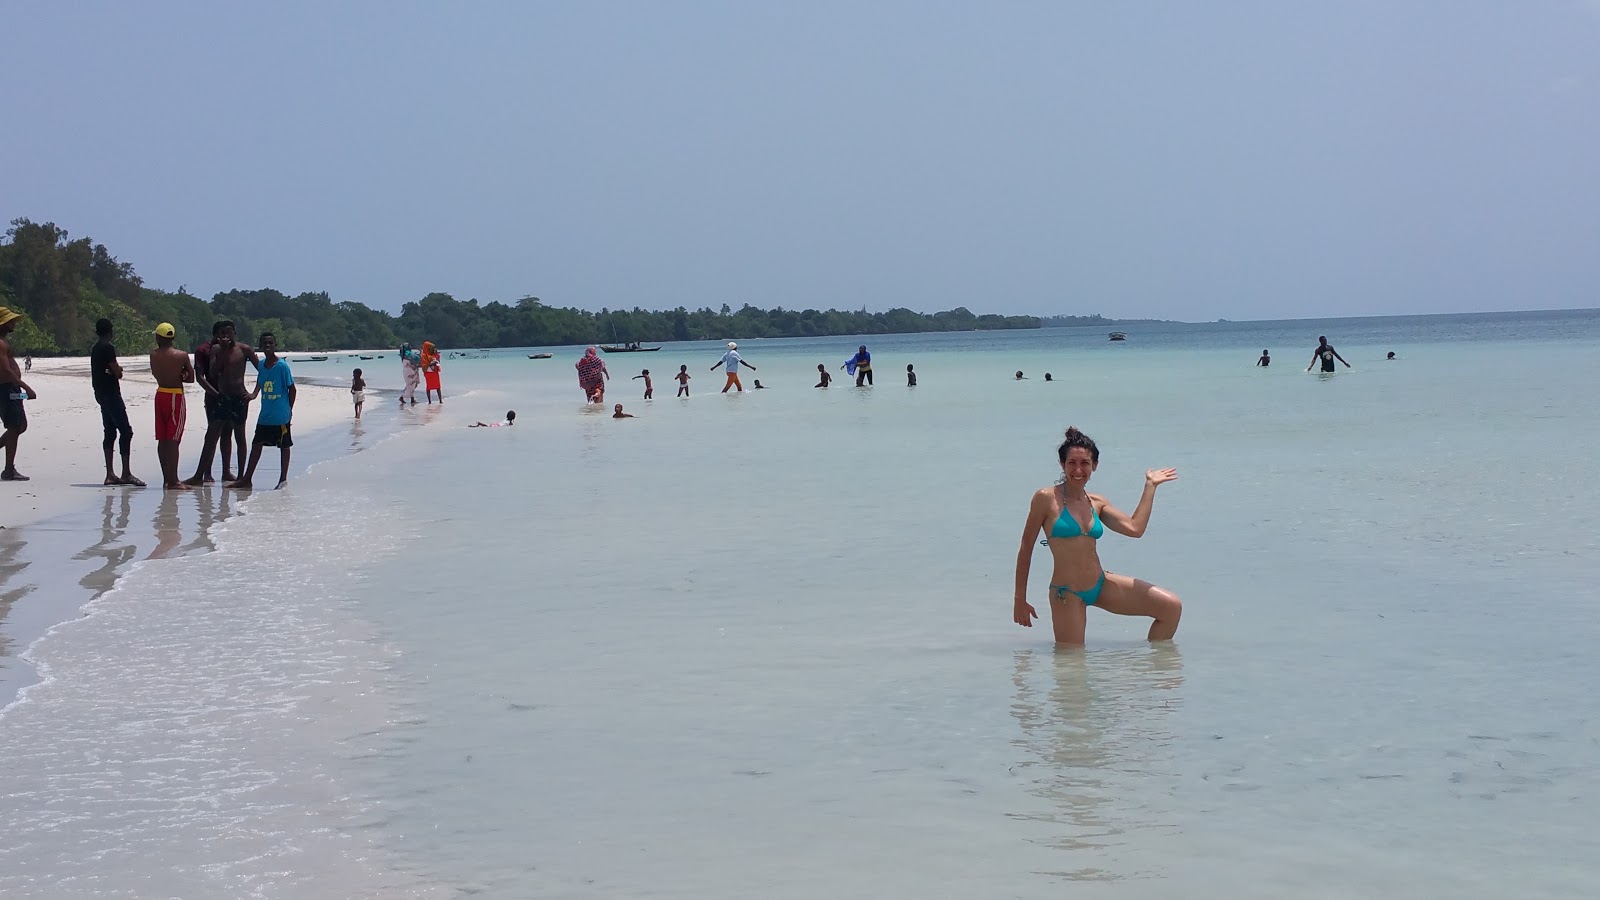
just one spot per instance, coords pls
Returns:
(214, 429)
(228, 361)
(275, 387)
(13, 391)
(105, 373)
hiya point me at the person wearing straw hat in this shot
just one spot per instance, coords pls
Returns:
(731, 361)
(13, 391)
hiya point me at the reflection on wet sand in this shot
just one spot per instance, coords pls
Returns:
(115, 512)
(1094, 737)
(209, 507)
(10, 566)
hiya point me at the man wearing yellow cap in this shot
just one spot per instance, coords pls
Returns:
(13, 390)
(171, 369)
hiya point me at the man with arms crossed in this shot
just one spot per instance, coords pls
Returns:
(171, 369)
(13, 391)
(105, 373)
(275, 387)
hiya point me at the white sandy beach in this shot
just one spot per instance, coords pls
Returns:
(61, 452)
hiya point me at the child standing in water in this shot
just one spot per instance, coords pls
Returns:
(683, 381)
(648, 390)
(911, 377)
(824, 379)
(358, 391)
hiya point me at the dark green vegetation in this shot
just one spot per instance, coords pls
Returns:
(62, 286)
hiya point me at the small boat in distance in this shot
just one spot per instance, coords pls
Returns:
(316, 359)
(630, 347)
(366, 357)
(1118, 336)
(540, 355)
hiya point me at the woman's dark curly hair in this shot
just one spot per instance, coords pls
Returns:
(1076, 438)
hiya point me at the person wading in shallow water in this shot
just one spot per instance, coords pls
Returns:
(592, 375)
(860, 366)
(731, 361)
(1072, 521)
(1325, 354)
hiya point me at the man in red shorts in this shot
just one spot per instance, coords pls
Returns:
(171, 369)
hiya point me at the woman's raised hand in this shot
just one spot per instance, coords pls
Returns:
(1154, 477)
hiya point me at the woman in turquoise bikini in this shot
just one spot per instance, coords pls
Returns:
(1072, 520)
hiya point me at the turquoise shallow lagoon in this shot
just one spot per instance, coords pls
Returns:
(760, 644)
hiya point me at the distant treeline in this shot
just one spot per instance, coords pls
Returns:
(62, 286)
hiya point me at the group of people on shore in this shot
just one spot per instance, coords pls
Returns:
(217, 366)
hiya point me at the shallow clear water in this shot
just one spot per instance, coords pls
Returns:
(760, 645)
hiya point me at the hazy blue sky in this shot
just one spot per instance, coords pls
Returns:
(1188, 160)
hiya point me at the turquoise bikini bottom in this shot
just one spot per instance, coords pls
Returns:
(1088, 597)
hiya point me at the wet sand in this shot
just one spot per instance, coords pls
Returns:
(66, 538)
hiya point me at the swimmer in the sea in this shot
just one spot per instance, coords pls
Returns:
(911, 377)
(1020, 376)
(759, 385)
(1078, 581)
(824, 378)
(617, 413)
(511, 419)
(1265, 360)
(1391, 356)
(1047, 377)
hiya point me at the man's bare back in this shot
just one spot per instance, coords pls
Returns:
(171, 368)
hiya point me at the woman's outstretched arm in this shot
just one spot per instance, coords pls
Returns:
(1134, 526)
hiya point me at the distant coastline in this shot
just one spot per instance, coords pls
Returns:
(62, 286)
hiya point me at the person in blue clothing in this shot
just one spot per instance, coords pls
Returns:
(860, 366)
(1072, 521)
(275, 387)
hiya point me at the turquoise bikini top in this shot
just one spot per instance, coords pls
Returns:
(1067, 527)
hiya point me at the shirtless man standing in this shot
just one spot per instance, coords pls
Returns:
(171, 369)
(214, 430)
(13, 390)
(228, 358)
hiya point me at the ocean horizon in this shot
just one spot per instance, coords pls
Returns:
(760, 644)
